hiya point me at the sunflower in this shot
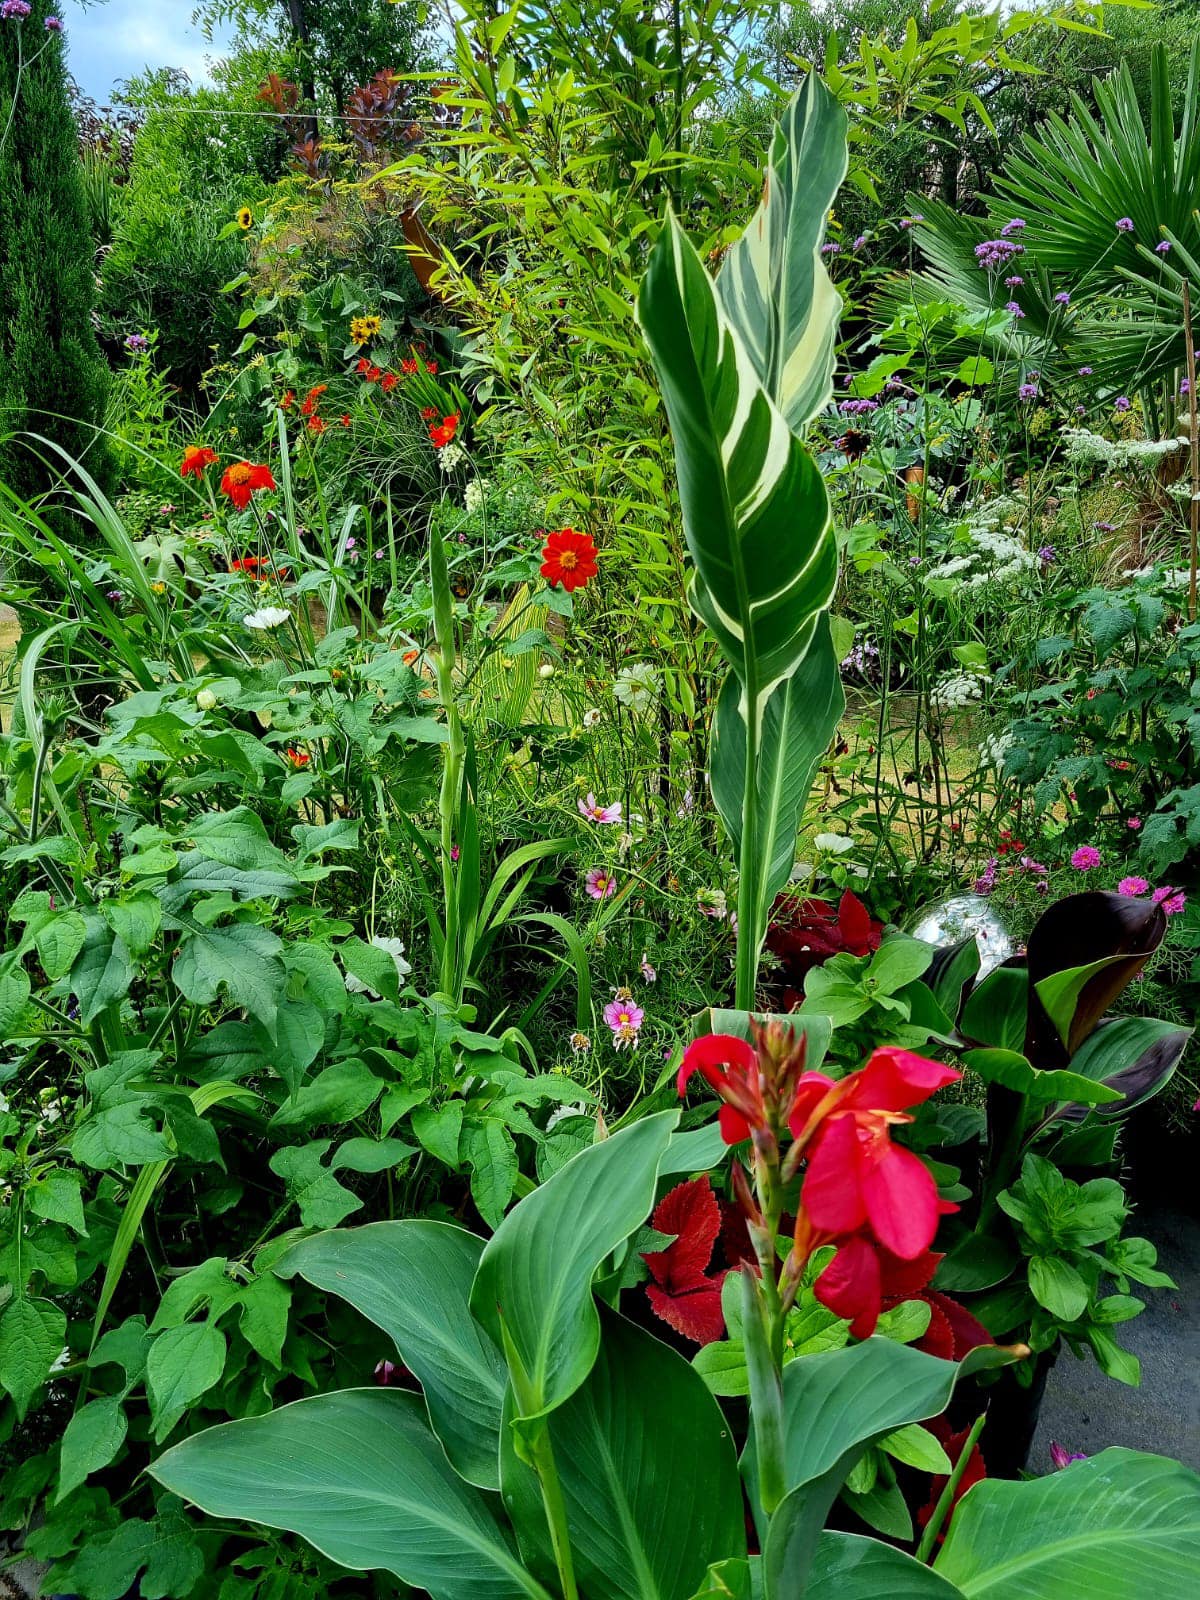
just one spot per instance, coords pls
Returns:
(245, 218)
(364, 329)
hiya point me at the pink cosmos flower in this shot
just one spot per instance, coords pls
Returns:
(625, 1018)
(595, 812)
(1131, 887)
(600, 884)
(1085, 858)
(1134, 823)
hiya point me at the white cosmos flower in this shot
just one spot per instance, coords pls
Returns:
(637, 687)
(835, 843)
(265, 618)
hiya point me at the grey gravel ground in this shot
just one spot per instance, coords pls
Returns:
(1086, 1411)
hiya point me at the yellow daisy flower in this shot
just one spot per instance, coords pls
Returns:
(245, 218)
(364, 329)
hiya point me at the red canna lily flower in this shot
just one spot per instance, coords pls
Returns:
(242, 479)
(195, 458)
(682, 1293)
(569, 559)
(442, 433)
(864, 1279)
(729, 1066)
(856, 1175)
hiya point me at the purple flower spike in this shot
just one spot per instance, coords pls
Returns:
(1014, 225)
(19, 9)
(1028, 391)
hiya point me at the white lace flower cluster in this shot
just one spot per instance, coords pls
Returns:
(450, 455)
(992, 556)
(475, 494)
(1085, 448)
(954, 690)
(994, 749)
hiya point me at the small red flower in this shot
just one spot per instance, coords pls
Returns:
(242, 479)
(317, 424)
(427, 413)
(195, 458)
(288, 400)
(431, 368)
(344, 419)
(363, 367)
(410, 367)
(442, 433)
(569, 559)
(388, 382)
(298, 759)
(313, 399)
(682, 1293)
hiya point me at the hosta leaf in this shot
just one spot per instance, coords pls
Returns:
(360, 1476)
(1119, 1526)
(413, 1280)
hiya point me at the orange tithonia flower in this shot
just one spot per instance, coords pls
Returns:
(195, 458)
(242, 479)
(568, 559)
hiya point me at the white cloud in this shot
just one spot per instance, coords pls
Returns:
(115, 40)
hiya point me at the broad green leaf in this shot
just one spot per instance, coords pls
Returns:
(1135, 1056)
(648, 1472)
(240, 960)
(299, 1033)
(370, 1155)
(1014, 1072)
(1055, 1284)
(492, 1153)
(439, 1128)
(164, 1551)
(413, 1280)
(60, 941)
(899, 960)
(57, 1196)
(135, 919)
(91, 1440)
(835, 1405)
(31, 1337)
(183, 1364)
(391, 1502)
(1118, 1526)
(975, 369)
(15, 989)
(339, 1094)
(322, 1200)
(849, 1567)
(994, 1013)
(533, 1290)
(916, 1447)
(102, 971)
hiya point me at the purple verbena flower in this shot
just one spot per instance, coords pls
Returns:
(1062, 298)
(831, 249)
(137, 344)
(1186, 386)
(1124, 224)
(53, 24)
(1047, 555)
(1027, 391)
(18, 9)
(1163, 247)
(1013, 225)
(1085, 372)
(1013, 309)
(1122, 403)
(859, 242)
(1014, 282)
(857, 408)
(997, 252)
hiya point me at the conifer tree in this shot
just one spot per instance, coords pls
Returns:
(53, 378)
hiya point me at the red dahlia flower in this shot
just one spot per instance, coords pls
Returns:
(569, 559)
(682, 1293)
(195, 458)
(856, 1175)
(242, 479)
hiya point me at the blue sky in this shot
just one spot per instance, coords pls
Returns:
(114, 40)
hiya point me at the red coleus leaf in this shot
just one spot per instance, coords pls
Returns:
(682, 1293)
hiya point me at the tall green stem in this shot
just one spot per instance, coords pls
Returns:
(450, 798)
(748, 932)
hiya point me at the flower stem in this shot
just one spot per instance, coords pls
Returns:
(946, 1499)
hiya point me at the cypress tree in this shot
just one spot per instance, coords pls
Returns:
(53, 378)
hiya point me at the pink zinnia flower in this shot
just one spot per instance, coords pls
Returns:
(1085, 858)
(1132, 887)
(1134, 823)
(600, 884)
(595, 812)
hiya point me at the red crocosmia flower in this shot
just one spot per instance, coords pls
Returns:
(298, 758)
(410, 367)
(195, 458)
(344, 419)
(363, 367)
(289, 400)
(312, 399)
(569, 559)
(804, 933)
(242, 479)
(682, 1293)
(427, 413)
(728, 1065)
(976, 1471)
(855, 1173)
(388, 382)
(442, 433)
(431, 368)
(317, 424)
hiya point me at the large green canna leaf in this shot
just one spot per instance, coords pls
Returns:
(834, 1406)
(848, 1567)
(413, 1280)
(648, 1471)
(533, 1289)
(800, 719)
(360, 1476)
(1120, 1526)
(743, 364)
(773, 285)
